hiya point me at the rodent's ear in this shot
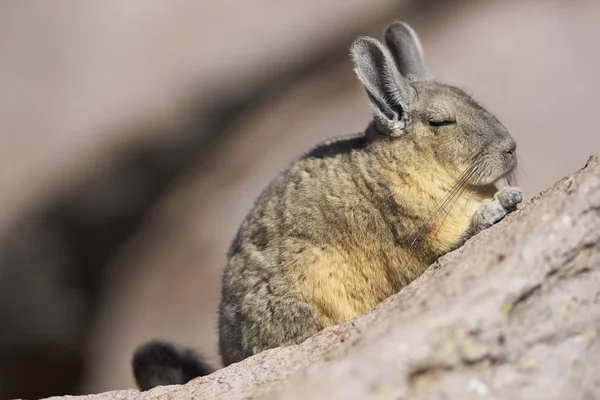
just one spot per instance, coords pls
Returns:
(389, 93)
(405, 46)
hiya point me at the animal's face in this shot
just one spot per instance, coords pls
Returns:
(442, 121)
(459, 133)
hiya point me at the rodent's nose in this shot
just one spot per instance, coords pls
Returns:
(512, 148)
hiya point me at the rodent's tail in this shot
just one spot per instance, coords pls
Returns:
(159, 363)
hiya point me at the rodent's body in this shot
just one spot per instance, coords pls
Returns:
(330, 238)
(356, 219)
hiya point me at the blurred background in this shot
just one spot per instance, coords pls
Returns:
(134, 137)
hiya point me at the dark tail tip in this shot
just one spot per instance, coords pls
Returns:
(159, 363)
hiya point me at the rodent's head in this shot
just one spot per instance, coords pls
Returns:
(441, 120)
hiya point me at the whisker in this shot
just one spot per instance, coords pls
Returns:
(520, 167)
(445, 208)
(442, 202)
(462, 191)
(511, 179)
(454, 193)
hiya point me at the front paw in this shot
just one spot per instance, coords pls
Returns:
(505, 201)
(488, 214)
(509, 197)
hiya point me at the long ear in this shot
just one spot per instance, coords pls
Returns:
(390, 94)
(406, 49)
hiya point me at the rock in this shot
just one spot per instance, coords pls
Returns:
(514, 313)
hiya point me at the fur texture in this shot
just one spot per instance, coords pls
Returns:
(161, 363)
(358, 218)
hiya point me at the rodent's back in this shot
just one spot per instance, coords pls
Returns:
(262, 305)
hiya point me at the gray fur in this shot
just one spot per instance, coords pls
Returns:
(388, 91)
(509, 197)
(505, 201)
(353, 218)
(406, 48)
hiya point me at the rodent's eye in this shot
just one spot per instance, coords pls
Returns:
(442, 122)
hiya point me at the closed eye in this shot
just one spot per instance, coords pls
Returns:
(445, 122)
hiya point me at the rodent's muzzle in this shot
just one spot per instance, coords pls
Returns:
(512, 149)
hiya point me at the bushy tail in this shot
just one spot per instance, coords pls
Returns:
(159, 363)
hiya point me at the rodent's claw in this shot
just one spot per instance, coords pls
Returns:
(509, 197)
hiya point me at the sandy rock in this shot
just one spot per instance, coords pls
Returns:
(514, 313)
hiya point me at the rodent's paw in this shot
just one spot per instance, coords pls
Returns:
(509, 197)
(490, 214)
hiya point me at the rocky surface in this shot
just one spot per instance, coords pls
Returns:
(514, 313)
